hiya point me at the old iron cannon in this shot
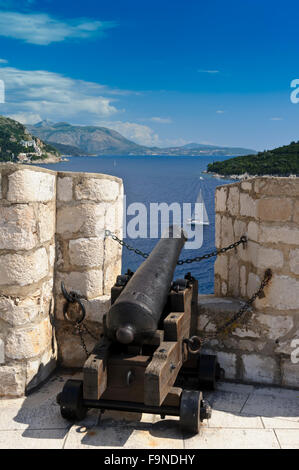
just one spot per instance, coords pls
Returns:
(148, 358)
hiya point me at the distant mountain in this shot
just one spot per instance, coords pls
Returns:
(69, 150)
(215, 148)
(89, 139)
(93, 140)
(281, 161)
(18, 145)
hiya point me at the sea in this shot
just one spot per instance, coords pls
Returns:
(157, 179)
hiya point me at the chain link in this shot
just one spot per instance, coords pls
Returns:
(242, 240)
(81, 328)
(231, 324)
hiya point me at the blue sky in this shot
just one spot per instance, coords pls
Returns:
(160, 72)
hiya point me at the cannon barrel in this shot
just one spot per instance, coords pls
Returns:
(135, 314)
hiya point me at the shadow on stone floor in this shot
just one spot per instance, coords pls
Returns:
(119, 434)
(40, 412)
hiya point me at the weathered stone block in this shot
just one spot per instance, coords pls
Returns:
(96, 308)
(246, 186)
(240, 229)
(253, 231)
(247, 205)
(227, 232)
(112, 249)
(296, 212)
(277, 186)
(17, 227)
(259, 369)
(71, 353)
(39, 369)
(112, 270)
(223, 288)
(19, 313)
(233, 276)
(2, 353)
(290, 373)
(97, 189)
(206, 323)
(290, 346)
(277, 325)
(294, 260)
(23, 269)
(228, 361)
(243, 278)
(29, 342)
(221, 266)
(31, 186)
(86, 219)
(253, 284)
(275, 209)
(87, 283)
(46, 222)
(282, 294)
(233, 200)
(285, 235)
(220, 199)
(87, 252)
(218, 230)
(268, 258)
(12, 381)
(52, 255)
(249, 253)
(65, 188)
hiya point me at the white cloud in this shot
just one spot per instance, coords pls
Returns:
(209, 71)
(220, 111)
(161, 120)
(3, 61)
(26, 118)
(54, 96)
(276, 119)
(139, 133)
(42, 29)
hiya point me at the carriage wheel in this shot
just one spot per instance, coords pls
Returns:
(190, 411)
(71, 401)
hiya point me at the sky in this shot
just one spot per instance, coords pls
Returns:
(164, 73)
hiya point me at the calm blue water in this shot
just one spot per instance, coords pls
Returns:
(161, 179)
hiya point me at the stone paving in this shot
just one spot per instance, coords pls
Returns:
(244, 417)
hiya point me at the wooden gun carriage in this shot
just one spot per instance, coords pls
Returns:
(148, 358)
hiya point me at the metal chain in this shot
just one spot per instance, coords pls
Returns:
(227, 327)
(231, 324)
(242, 240)
(72, 297)
(79, 328)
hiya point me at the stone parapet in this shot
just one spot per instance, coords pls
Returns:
(87, 261)
(51, 230)
(266, 211)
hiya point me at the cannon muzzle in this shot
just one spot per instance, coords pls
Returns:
(135, 314)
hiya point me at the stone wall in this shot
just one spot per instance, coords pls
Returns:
(52, 229)
(87, 262)
(267, 211)
(47, 236)
(27, 252)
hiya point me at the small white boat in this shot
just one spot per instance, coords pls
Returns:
(205, 218)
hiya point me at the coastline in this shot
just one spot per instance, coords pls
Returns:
(246, 176)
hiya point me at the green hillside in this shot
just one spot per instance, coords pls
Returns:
(282, 161)
(17, 143)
